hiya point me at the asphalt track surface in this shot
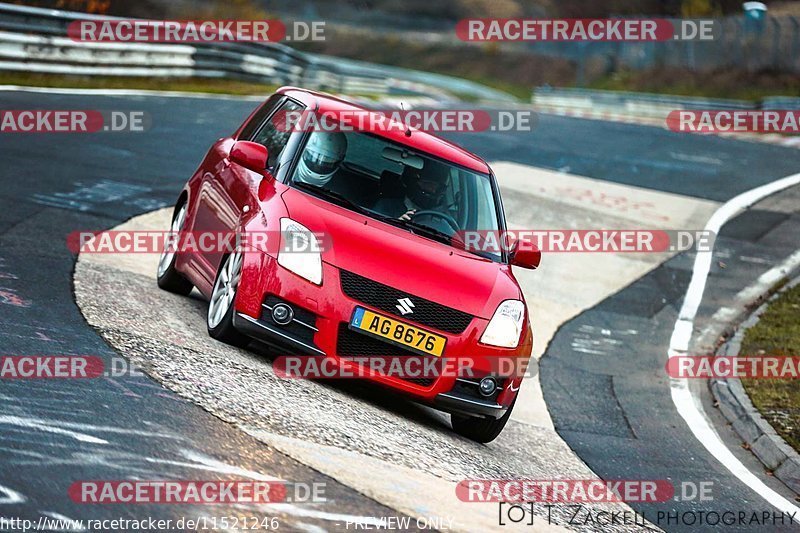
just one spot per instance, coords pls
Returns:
(612, 408)
(614, 355)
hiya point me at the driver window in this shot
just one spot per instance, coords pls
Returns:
(274, 137)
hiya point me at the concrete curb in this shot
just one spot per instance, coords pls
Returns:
(734, 403)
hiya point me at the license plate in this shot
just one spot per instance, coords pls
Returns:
(397, 332)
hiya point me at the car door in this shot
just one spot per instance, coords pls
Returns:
(230, 187)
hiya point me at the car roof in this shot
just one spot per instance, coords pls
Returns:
(419, 140)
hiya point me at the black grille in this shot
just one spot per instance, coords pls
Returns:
(353, 344)
(385, 298)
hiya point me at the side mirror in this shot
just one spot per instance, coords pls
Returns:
(250, 155)
(525, 255)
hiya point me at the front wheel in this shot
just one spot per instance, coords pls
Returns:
(223, 295)
(480, 429)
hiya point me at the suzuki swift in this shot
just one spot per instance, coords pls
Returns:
(391, 278)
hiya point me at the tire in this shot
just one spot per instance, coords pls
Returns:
(167, 277)
(220, 307)
(480, 429)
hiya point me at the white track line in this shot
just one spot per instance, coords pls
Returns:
(687, 406)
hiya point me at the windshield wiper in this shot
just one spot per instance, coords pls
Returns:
(336, 197)
(432, 233)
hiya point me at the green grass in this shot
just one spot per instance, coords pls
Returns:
(155, 84)
(777, 333)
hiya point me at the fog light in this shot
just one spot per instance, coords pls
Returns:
(282, 314)
(488, 386)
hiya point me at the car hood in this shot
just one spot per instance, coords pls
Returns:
(398, 258)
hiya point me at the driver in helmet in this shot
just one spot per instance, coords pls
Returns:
(424, 190)
(321, 158)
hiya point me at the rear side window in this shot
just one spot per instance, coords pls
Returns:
(274, 137)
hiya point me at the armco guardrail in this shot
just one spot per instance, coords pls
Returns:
(644, 104)
(34, 40)
(59, 54)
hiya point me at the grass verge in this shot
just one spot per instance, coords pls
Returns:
(777, 333)
(200, 85)
(736, 84)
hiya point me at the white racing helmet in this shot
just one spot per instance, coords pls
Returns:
(321, 159)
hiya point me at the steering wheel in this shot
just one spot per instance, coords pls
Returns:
(442, 216)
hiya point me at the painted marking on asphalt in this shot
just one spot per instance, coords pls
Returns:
(207, 463)
(600, 341)
(223, 468)
(769, 278)
(692, 158)
(9, 496)
(10, 297)
(638, 204)
(58, 425)
(125, 390)
(24, 453)
(43, 337)
(756, 260)
(688, 407)
(84, 198)
(43, 425)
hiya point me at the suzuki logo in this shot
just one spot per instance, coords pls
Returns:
(404, 306)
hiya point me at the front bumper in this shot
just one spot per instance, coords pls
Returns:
(456, 403)
(330, 310)
(258, 328)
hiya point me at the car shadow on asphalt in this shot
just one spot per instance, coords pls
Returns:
(358, 389)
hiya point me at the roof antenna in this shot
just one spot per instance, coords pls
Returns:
(405, 122)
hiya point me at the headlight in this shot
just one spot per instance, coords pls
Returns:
(505, 327)
(300, 251)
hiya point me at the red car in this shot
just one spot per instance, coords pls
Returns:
(396, 280)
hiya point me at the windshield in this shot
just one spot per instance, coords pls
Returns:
(398, 185)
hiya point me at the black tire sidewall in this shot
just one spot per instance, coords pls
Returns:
(225, 331)
(172, 280)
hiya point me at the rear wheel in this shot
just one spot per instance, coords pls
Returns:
(480, 429)
(220, 307)
(167, 277)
